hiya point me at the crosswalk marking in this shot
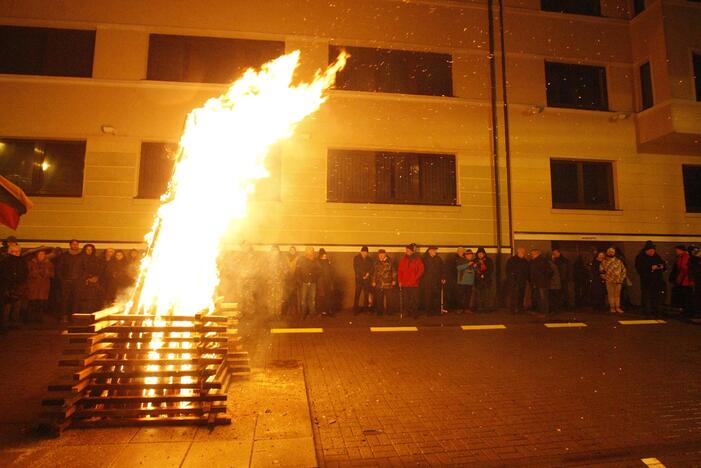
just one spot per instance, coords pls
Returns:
(483, 327)
(296, 330)
(640, 322)
(566, 325)
(393, 329)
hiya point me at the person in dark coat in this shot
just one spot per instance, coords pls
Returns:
(307, 273)
(484, 271)
(363, 268)
(117, 277)
(325, 285)
(580, 277)
(539, 275)
(40, 274)
(517, 277)
(70, 274)
(564, 269)
(91, 290)
(384, 279)
(597, 284)
(433, 281)
(650, 267)
(13, 277)
(451, 288)
(409, 274)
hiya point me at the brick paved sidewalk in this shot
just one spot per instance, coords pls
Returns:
(605, 396)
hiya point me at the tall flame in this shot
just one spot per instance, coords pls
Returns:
(222, 153)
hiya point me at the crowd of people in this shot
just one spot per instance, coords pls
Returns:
(49, 281)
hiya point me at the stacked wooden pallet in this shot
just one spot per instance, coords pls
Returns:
(121, 369)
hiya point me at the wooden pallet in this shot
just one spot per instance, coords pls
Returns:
(122, 369)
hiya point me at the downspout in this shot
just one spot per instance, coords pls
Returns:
(507, 138)
(495, 141)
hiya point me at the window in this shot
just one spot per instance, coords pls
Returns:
(42, 167)
(692, 188)
(395, 71)
(577, 7)
(576, 86)
(638, 7)
(45, 51)
(646, 86)
(388, 177)
(581, 184)
(697, 75)
(206, 59)
(156, 170)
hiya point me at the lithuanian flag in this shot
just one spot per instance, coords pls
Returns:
(13, 203)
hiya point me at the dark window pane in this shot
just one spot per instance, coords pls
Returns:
(692, 188)
(385, 177)
(576, 86)
(45, 51)
(646, 86)
(564, 182)
(597, 183)
(578, 7)
(44, 168)
(395, 71)
(697, 75)
(581, 184)
(206, 59)
(156, 168)
(638, 7)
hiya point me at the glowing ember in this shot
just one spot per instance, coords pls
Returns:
(222, 154)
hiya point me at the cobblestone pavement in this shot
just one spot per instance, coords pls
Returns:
(603, 395)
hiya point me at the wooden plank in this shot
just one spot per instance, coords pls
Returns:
(120, 400)
(157, 362)
(158, 386)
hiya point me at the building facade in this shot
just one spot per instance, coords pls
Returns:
(475, 123)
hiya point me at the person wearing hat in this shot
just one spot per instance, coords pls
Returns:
(433, 281)
(650, 267)
(682, 283)
(384, 279)
(363, 268)
(614, 274)
(410, 271)
(483, 280)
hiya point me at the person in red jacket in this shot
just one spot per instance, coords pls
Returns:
(409, 273)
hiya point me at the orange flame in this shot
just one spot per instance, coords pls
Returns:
(222, 154)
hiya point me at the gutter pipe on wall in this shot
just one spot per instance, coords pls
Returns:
(507, 139)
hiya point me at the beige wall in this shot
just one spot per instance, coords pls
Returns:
(648, 187)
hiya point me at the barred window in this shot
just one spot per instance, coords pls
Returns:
(44, 167)
(394, 71)
(576, 86)
(692, 188)
(390, 177)
(582, 184)
(206, 59)
(46, 51)
(577, 7)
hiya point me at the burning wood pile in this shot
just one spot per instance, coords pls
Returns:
(115, 377)
(167, 354)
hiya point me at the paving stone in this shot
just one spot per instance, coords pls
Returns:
(284, 452)
(152, 455)
(218, 454)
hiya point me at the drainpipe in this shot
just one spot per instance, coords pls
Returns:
(495, 139)
(507, 138)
